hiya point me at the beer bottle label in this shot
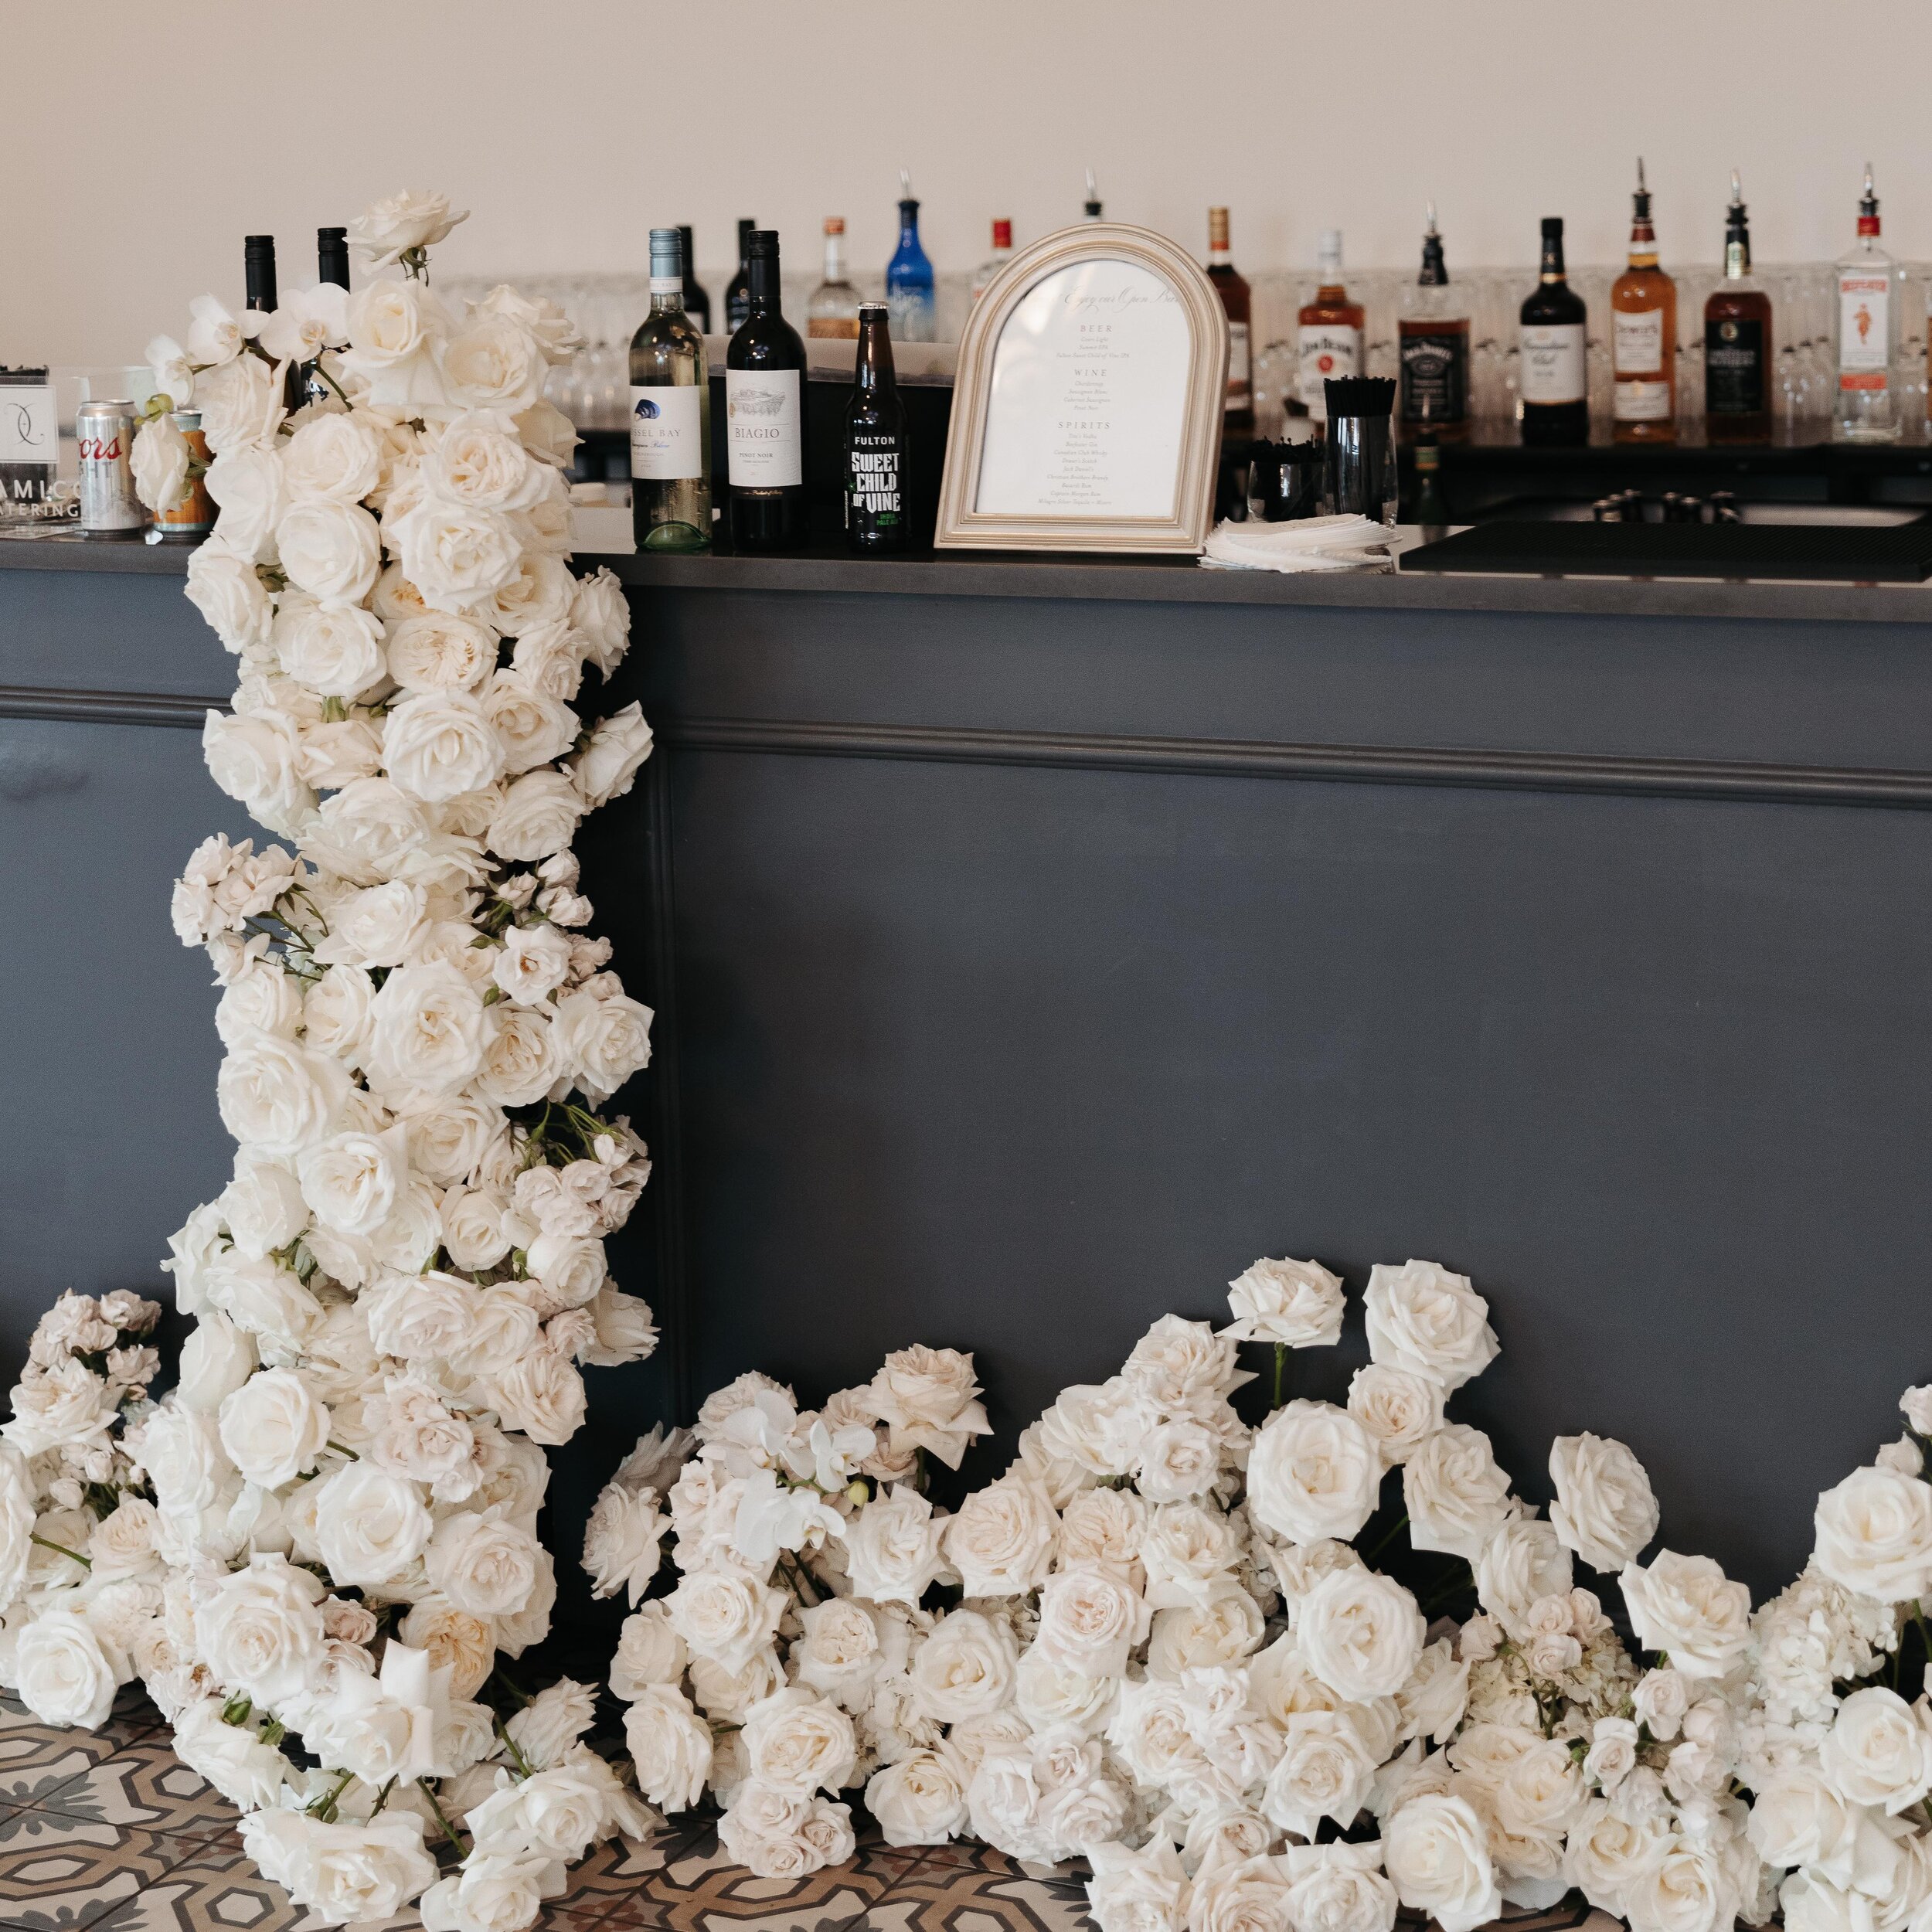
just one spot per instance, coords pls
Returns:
(761, 418)
(872, 480)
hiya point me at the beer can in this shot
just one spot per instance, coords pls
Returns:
(109, 507)
(193, 517)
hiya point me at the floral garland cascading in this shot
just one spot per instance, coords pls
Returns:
(313, 1548)
(1160, 1640)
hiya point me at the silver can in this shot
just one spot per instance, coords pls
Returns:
(109, 507)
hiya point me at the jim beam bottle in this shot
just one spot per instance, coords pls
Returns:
(1328, 341)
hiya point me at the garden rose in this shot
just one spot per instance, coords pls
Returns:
(1313, 1473)
(1361, 1633)
(1296, 1304)
(441, 744)
(62, 1674)
(964, 1669)
(370, 1526)
(1875, 1535)
(1422, 1319)
(1457, 1498)
(272, 1428)
(1685, 1605)
(1438, 1853)
(1605, 1509)
(330, 549)
(332, 458)
(260, 1631)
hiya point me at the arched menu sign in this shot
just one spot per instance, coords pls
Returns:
(1086, 411)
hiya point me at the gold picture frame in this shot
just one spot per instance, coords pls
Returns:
(1087, 404)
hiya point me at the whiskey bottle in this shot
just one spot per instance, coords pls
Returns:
(1237, 411)
(1329, 343)
(1553, 393)
(833, 310)
(670, 413)
(1643, 321)
(1737, 340)
(1865, 409)
(1432, 340)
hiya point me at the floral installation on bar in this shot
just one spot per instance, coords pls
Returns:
(1169, 1643)
(315, 1547)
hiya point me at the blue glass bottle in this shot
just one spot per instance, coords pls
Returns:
(909, 275)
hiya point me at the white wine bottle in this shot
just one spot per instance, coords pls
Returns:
(670, 413)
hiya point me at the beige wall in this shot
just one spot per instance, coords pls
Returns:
(143, 141)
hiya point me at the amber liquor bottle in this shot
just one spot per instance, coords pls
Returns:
(1433, 339)
(1643, 322)
(1737, 340)
(1328, 339)
(1237, 415)
(1553, 391)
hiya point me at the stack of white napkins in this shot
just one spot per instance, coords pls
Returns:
(1307, 543)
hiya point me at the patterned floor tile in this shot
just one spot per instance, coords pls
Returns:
(990, 1894)
(75, 1875)
(143, 1784)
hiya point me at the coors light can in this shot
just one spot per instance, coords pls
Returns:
(105, 432)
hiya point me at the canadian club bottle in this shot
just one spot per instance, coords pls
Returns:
(765, 411)
(1432, 333)
(670, 413)
(738, 295)
(875, 467)
(1737, 340)
(1554, 388)
(1237, 415)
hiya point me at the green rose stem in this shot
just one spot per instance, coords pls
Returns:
(1281, 1363)
(86, 1562)
(449, 1830)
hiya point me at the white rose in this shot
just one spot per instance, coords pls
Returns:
(543, 1395)
(474, 1233)
(730, 1620)
(351, 1181)
(649, 1652)
(1295, 1305)
(370, 1526)
(1361, 1633)
(1521, 1563)
(440, 652)
(964, 1669)
(1916, 1404)
(477, 460)
(62, 1675)
(1338, 1888)
(240, 403)
(1433, 1701)
(336, 1013)
(334, 648)
(1685, 1605)
(272, 1428)
(521, 1057)
(1798, 1818)
(256, 760)
(1605, 1509)
(259, 1631)
(1001, 1540)
(603, 1037)
(428, 1028)
(538, 817)
(1688, 1889)
(1457, 1496)
(531, 727)
(1180, 1459)
(1612, 1756)
(217, 1359)
(1090, 1618)
(1542, 1792)
(921, 1800)
(572, 1269)
(441, 744)
(263, 1207)
(1422, 1319)
(534, 962)
(277, 1098)
(1143, 1891)
(1879, 1750)
(1607, 1853)
(399, 225)
(1438, 1853)
(1314, 1472)
(454, 1640)
(223, 587)
(492, 1892)
(1249, 1896)
(231, 1758)
(1186, 1550)
(496, 363)
(892, 1547)
(1225, 1629)
(598, 610)
(159, 461)
(451, 1136)
(484, 1564)
(261, 997)
(1875, 1535)
(247, 481)
(1050, 1695)
(332, 459)
(610, 763)
(1324, 1771)
(331, 550)
(459, 559)
(366, 831)
(1660, 1700)
(346, 1874)
(798, 1742)
(671, 1746)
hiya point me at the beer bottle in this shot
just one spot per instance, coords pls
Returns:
(875, 465)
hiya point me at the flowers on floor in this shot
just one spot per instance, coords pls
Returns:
(313, 1548)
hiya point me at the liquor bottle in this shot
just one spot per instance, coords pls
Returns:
(1237, 411)
(1643, 321)
(1002, 253)
(1867, 410)
(909, 275)
(1090, 208)
(738, 295)
(1737, 340)
(875, 466)
(332, 256)
(697, 301)
(670, 413)
(1554, 392)
(1329, 345)
(1433, 339)
(765, 411)
(258, 270)
(1432, 508)
(833, 309)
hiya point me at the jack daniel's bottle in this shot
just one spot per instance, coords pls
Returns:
(1433, 337)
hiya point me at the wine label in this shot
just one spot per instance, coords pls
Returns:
(1552, 363)
(1637, 342)
(1327, 352)
(1640, 401)
(761, 422)
(667, 433)
(1435, 377)
(1240, 370)
(873, 481)
(1734, 367)
(1864, 334)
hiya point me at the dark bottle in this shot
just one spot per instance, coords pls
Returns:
(1432, 508)
(738, 296)
(332, 256)
(1237, 406)
(258, 266)
(1737, 340)
(1553, 381)
(764, 412)
(1433, 337)
(875, 467)
(697, 302)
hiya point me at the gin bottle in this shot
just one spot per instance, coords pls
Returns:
(1866, 327)
(909, 275)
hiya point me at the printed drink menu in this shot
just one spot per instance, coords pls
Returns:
(1088, 398)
